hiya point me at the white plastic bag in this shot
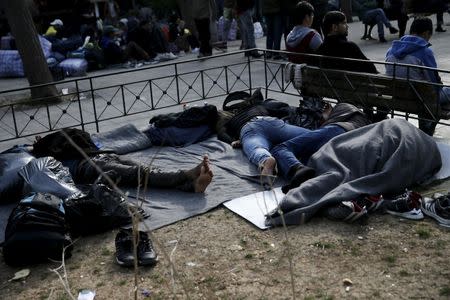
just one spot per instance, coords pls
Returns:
(259, 33)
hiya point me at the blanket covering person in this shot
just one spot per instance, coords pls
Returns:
(382, 158)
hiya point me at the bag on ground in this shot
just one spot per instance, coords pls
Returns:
(36, 231)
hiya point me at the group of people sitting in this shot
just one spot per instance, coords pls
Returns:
(413, 48)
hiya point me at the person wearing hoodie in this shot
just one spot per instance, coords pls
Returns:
(414, 49)
(302, 38)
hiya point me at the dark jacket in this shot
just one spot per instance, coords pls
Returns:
(339, 46)
(347, 116)
(192, 117)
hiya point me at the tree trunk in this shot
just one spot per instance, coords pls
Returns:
(35, 66)
(346, 8)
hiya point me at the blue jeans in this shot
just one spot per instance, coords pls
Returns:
(274, 31)
(302, 147)
(259, 135)
(377, 16)
(245, 22)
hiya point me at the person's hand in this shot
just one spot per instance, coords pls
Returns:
(236, 144)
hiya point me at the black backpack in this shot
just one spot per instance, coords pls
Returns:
(36, 231)
(58, 146)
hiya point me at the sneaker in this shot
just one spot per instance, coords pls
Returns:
(438, 209)
(440, 29)
(393, 30)
(371, 203)
(348, 211)
(406, 205)
(195, 50)
(124, 248)
(165, 56)
(145, 252)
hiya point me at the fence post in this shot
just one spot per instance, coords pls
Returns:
(177, 83)
(93, 105)
(79, 105)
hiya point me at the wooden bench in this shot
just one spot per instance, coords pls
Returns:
(387, 94)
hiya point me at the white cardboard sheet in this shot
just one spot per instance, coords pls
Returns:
(254, 207)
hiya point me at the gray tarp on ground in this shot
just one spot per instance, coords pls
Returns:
(234, 176)
(382, 158)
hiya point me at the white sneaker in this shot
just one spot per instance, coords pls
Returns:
(165, 56)
(195, 50)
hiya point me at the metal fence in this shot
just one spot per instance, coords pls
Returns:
(89, 102)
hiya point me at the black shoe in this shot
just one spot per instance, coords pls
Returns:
(124, 248)
(393, 30)
(440, 29)
(383, 40)
(145, 252)
(301, 175)
(254, 54)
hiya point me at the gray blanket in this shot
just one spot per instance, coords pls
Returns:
(383, 158)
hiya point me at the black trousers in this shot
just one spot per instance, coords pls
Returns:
(204, 36)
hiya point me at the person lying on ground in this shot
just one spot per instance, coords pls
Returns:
(60, 145)
(269, 141)
(302, 38)
(414, 49)
(292, 155)
(256, 130)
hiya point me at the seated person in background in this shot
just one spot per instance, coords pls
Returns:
(302, 38)
(335, 44)
(114, 54)
(180, 36)
(55, 29)
(395, 10)
(414, 49)
(150, 37)
(377, 16)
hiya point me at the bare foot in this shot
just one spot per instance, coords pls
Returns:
(195, 172)
(205, 176)
(268, 167)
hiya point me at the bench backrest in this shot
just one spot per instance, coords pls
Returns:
(372, 90)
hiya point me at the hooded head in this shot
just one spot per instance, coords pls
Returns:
(421, 31)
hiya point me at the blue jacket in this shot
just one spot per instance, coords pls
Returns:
(411, 49)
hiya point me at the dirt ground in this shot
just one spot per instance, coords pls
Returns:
(219, 255)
